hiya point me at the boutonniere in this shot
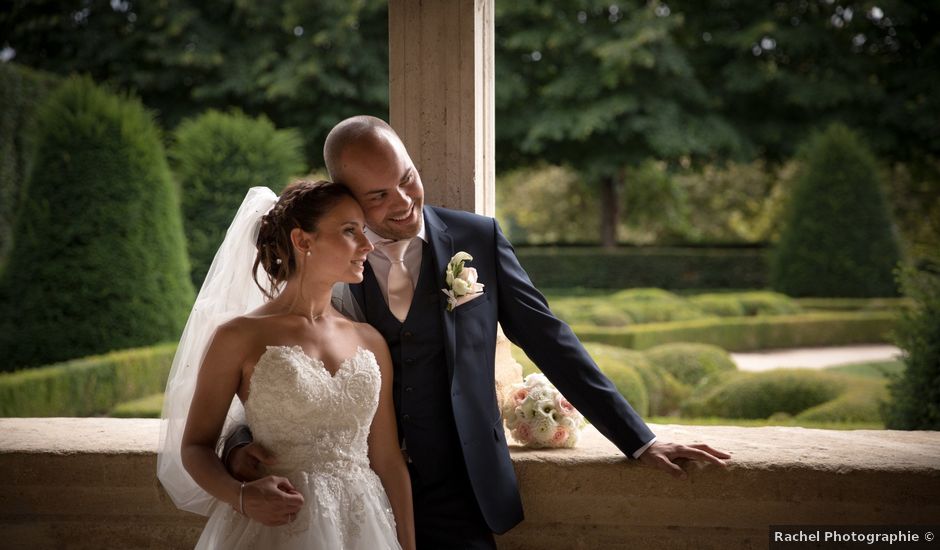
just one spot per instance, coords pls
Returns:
(461, 281)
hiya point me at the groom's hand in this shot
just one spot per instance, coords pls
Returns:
(244, 463)
(272, 501)
(663, 456)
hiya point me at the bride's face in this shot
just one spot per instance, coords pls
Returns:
(338, 248)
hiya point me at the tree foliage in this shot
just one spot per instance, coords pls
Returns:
(99, 262)
(600, 88)
(778, 71)
(304, 64)
(915, 403)
(217, 158)
(837, 238)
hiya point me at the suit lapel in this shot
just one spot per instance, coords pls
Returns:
(442, 246)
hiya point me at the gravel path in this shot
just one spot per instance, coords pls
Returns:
(814, 358)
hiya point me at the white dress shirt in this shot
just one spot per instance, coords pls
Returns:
(381, 264)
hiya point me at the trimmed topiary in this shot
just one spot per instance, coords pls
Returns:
(689, 363)
(916, 393)
(21, 91)
(99, 261)
(860, 402)
(622, 366)
(837, 238)
(760, 395)
(216, 158)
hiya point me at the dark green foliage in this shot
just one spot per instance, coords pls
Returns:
(671, 268)
(776, 70)
(305, 64)
(837, 239)
(21, 89)
(217, 157)
(149, 406)
(752, 333)
(760, 395)
(88, 386)
(916, 393)
(623, 368)
(690, 364)
(784, 394)
(99, 261)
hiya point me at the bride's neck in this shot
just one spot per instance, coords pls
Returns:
(311, 301)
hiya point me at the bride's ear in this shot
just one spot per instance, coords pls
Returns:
(301, 240)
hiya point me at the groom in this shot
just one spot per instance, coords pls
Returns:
(464, 486)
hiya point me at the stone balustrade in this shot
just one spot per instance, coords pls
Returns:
(90, 483)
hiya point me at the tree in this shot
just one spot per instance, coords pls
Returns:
(599, 88)
(217, 158)
(779, 72)
(915, 403)
(304, 64)
(99, 261)
(837, 237)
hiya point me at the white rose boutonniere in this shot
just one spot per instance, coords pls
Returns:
(461, 281)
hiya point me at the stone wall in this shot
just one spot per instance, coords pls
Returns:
(89, 483)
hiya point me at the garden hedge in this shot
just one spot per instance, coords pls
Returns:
(87, 386)
(916, 392)
(803, 394)
(752, 333)
(21, 91)
(628, 267)
(690, 364)
(652, 305)
(216, 158)
(837, 238)
(100, 258)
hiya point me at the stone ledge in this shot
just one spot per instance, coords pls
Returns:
(88, 482)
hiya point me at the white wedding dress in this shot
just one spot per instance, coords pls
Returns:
(317, 425)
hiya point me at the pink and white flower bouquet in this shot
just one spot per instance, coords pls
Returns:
(538, 416)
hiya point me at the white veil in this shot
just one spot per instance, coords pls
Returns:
(227, 292)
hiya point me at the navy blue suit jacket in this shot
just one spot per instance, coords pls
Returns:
(510, 299)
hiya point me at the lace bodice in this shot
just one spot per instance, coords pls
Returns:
(310, 419)
(317, 425)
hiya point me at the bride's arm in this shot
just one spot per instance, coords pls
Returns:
(385, 455)
(219, 379)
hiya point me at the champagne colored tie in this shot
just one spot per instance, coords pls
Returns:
(400, 289)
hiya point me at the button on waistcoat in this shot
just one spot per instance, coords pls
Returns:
(421, 384)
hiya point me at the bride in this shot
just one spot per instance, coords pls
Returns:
(313, 386)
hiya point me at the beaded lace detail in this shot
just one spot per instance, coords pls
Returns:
(317, 425)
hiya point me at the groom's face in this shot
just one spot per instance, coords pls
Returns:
(384, 180)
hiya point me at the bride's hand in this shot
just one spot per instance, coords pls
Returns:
(271, 500)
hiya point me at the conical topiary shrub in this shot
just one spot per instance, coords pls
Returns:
(216, 158)
(837, 238)
(99, 260)
(21, 90)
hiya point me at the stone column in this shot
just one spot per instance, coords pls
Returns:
(441, 97)
(441, 104)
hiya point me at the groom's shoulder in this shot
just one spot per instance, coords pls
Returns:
(462, 218)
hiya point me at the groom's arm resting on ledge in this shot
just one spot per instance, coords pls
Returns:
(529, 323)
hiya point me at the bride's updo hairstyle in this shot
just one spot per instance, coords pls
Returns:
(302, 204)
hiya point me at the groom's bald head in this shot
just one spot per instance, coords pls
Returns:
(360, 135)
(366, 155)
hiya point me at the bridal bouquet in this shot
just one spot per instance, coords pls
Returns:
(538, 416)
